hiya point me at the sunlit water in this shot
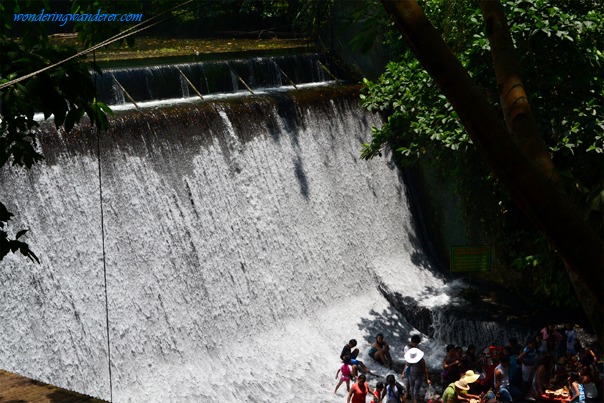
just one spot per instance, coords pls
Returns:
(123, 85)
(245, 243)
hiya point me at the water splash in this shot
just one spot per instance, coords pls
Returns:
(161, 82)
(246, 242)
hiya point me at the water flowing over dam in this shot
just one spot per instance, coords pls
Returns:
(244, 243)
(172, 81)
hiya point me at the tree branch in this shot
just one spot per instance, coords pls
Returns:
(517, 112)
(550, 210)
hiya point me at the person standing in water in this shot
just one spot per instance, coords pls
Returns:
(417, 372)
(394, 391)
(346, 373)
(377, 392)
(358, 391)
(413, 343)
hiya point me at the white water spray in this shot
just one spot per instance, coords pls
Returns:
(243, 251)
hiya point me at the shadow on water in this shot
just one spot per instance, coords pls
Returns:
(481, 313)
(459, 320)
(389, 322)
(290, 116)
(458, 323)
(419, 317)
(361, 135)
(301, 176)
(418, 254)
(292, 122)
(405, 312)
(273, 129)
(423, 252)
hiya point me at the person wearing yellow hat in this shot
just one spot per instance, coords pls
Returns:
(457, 392)
(469, 376)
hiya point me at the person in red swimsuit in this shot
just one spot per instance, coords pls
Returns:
(358, 391)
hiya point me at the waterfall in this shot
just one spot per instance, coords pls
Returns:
(245, 244)
(159, 82)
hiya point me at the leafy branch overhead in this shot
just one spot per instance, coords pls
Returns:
(566, 96)
(519, 170)
(12, 245)
(559, 46)
(64, 93)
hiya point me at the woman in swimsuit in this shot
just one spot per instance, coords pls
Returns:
(380, 351)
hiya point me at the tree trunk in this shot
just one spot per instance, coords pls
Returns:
(519, 119)
(548, 208)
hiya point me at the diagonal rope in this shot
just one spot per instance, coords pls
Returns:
(124, 34)
(98, 153)
(98, 149)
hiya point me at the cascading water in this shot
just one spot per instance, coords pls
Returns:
(245, 243)
(171, 81)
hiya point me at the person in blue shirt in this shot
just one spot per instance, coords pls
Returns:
(528, 358)
(577, 392)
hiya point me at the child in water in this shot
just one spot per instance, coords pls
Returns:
(377, 393)
(345, 376)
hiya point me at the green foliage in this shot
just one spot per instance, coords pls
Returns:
(65, 93)
(551, 281)
(208, 12)
(12, 245)
(567, 97)
(262, 9)
(559, 44)
(418, 115)
(370, 21)
(266, 8)
(311, 15)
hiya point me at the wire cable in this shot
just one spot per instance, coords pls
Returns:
(98, 153)
(124, 34)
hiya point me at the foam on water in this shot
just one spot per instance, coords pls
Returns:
(242, 250)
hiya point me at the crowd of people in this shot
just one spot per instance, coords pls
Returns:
(413, 374)
(552, 365)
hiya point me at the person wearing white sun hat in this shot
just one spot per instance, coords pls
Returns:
(414, 358)
(413, 342)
